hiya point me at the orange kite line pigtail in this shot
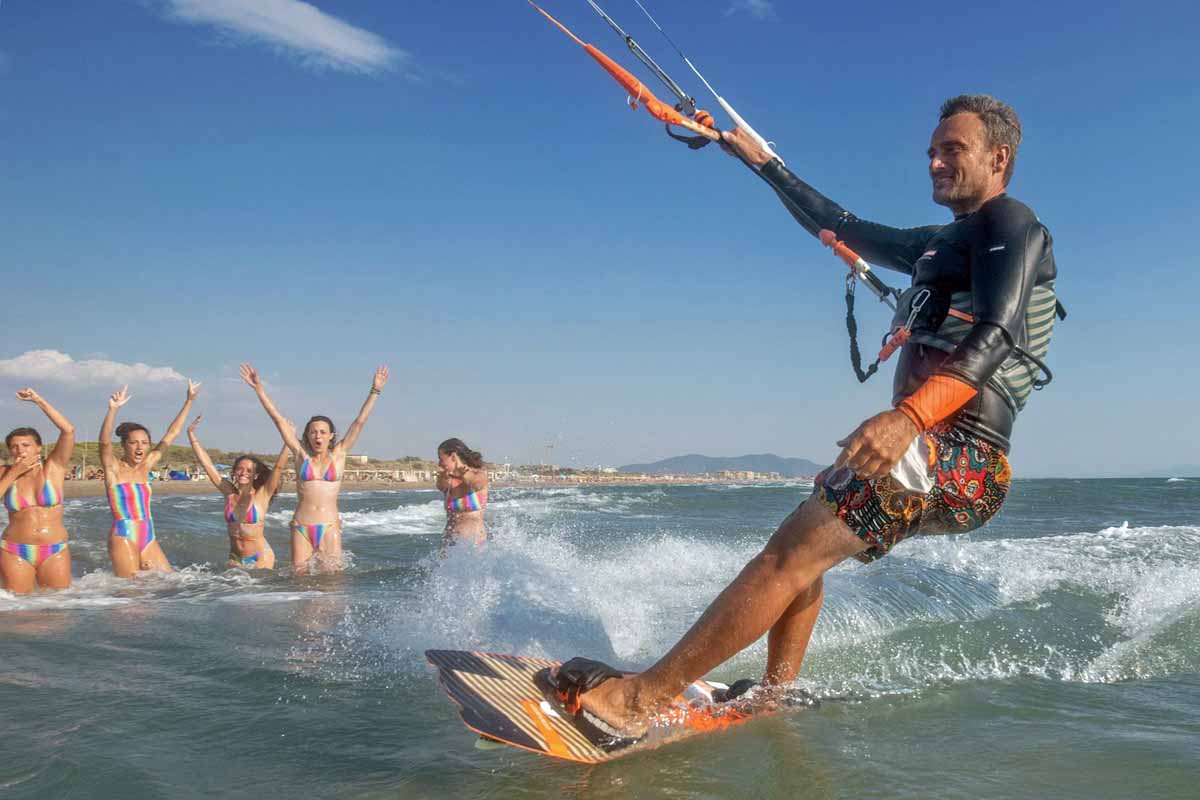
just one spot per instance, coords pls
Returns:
(637, 92)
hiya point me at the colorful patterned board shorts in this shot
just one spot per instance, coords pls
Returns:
(970, 479)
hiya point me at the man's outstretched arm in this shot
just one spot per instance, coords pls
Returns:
(894, 248)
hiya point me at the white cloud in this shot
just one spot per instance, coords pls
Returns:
(320, 40)
(52, 365)
(759, 9)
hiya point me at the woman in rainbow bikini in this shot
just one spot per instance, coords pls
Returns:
(33, 550)
(316, 527)
(132, 545)
(248, 491)
(462, 480)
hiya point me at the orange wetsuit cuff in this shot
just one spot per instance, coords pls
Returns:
(938, 398)
(908, 412)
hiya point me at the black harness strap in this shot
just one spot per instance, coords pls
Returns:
(852, 329)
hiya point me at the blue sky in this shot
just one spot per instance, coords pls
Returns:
(456, 190)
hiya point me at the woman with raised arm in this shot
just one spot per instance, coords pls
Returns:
(33, 549)
(321, 456)
(248, 492)
(132, 545)
(461, 478)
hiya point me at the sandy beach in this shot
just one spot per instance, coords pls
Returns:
(95, 488)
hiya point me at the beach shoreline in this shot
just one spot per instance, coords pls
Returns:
(96, 488)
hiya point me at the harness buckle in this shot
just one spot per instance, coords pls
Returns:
(901, 334)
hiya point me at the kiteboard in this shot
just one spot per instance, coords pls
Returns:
(509, 700)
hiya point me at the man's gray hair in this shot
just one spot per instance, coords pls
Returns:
(999, 120)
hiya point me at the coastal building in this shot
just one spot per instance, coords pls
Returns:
(739, 475)
(500, 472)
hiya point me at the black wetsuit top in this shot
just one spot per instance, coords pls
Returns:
(998, 254)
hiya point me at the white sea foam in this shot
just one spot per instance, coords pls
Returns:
(540, 594)
(940, 609)
(192, 584)
(1105, 605)
(1111, 561)
(270, 598)
(95, 590)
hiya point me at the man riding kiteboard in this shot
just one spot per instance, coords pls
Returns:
(972, 331)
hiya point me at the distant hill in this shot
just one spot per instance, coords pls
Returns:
(698, 465)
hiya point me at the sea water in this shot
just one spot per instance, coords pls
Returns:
(1054, 654)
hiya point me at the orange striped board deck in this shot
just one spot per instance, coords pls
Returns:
(499, 698)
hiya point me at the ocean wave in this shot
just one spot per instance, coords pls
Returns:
(430, 518)
(422, 519)
(1110, 561)
(620, 573)
(561, 502)
(1116, 604)
(801, 483)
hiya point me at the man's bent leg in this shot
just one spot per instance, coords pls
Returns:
(810, 541)
(788, 638)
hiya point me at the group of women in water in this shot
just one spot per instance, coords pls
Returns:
(34, 550)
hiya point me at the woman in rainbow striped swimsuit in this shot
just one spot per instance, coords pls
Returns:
(248, 491)
(132, 544)
(463, 481)
(33, 550)
(321, 460)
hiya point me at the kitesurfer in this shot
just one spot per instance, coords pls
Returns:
(935, 461)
